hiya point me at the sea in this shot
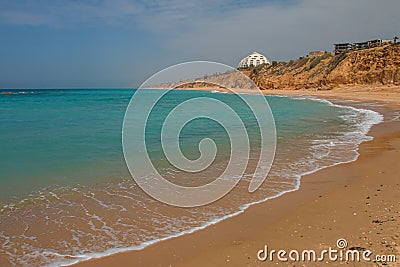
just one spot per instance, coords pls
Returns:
(66, 194)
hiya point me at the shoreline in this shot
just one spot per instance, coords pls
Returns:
(177, 249)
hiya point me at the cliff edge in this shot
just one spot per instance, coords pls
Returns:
(379, 66)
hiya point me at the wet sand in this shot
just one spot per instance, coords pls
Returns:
(357, 201)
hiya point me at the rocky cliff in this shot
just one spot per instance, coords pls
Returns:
(231, 79)
(373, 67)
(379, 66)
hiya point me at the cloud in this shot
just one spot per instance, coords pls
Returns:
(22, 18)
(67, 13)
(152, 14)
(288, 31)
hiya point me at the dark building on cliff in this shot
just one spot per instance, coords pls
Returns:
(339, 48)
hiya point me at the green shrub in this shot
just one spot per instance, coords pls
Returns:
(301, 62)
(336, 61)
(315, 62)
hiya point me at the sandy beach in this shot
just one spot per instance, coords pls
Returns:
(357, 201)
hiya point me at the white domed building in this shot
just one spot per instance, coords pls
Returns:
(254, 59)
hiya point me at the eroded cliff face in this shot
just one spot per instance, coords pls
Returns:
(231, 79)
(373, 67)
(378, 66)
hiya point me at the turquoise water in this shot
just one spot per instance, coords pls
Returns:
(60, 137)
(61, 159)
(67, 137)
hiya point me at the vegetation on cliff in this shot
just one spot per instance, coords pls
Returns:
(375, 67)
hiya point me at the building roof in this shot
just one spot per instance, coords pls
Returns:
(254, 59)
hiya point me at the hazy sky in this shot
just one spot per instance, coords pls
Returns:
(120, 43)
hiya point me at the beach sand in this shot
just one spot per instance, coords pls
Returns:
(357, 201)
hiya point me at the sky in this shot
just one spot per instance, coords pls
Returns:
(121, 43)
